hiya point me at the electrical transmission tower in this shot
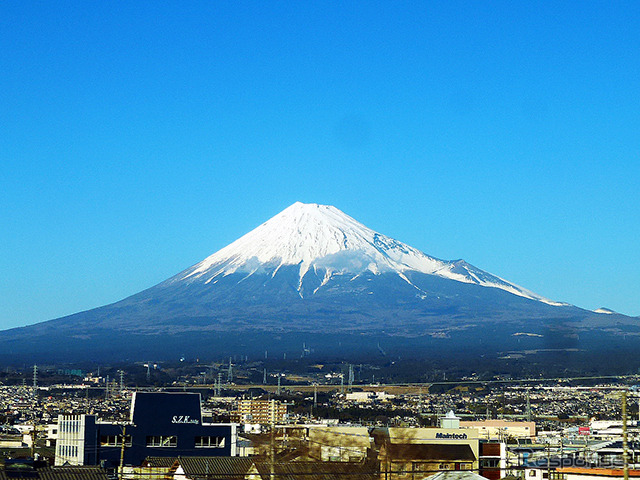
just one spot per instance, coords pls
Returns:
(351, 378)
(35, 377)
(315, 396)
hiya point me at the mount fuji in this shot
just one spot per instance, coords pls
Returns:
(325, 243)
(314, 275)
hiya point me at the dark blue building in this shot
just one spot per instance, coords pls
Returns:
(161, 425)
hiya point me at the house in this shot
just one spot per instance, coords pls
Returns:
(210, 468)
(545, 468)
(35, 470)
(314, 471)
(418, 461)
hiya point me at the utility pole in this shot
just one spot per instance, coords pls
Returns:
(528, 406)
(273, 447)
(230, 372)
(264, 377)
(625, 446)
(34, 435)
(548, 446)
(278, 391)
(586, 447)
(123, 440)
(121, 381)
(106, 389)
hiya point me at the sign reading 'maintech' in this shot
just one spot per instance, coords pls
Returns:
(452, 436)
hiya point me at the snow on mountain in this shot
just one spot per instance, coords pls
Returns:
(604, 310)
(326, 241)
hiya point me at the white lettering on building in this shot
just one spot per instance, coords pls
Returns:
(184, 419)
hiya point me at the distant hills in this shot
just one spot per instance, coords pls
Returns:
(314, 275)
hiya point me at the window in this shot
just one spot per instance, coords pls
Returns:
(209, 442)
(114, 440)
(162, 441)
(466, 466)
(444, 466)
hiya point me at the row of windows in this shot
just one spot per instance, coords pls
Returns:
(68, 450)
(114, 440)
(70, 426)
(427, 466)
(162, 441)
(452, 466)
(209, 442)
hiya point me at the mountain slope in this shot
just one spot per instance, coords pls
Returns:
(313, 274)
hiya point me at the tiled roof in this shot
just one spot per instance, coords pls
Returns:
(160, 462)
(318, 471)
(213, 468)
(73, 473)
(55, 473)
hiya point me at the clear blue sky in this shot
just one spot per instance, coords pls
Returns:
(137, 138)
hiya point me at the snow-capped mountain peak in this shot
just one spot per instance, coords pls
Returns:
(325, 240)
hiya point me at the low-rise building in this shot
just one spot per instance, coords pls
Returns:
(416, 453)
(265, 412)
(501, 429)
(161, 425)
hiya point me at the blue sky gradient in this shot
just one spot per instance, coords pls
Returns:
(138, 138)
